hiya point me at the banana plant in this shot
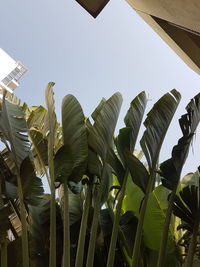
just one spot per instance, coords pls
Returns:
(99, 139)
(186, 206)
(71, 159)
(170, 170)
(51, 126)
(125, 142)
(157, 124)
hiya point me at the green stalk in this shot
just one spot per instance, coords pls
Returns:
(138, 238)
(66, 239)
(93, 234)
(193, 242)
(111, 254)
(4, 242)
(83, 228)
(4, 261)
(52, 252)
(25, 248)
(164, 239)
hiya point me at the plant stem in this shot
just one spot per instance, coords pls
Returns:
(4, 261)
(193, 242)
(3, 247)
(52, 252)
(164, 239)
(111, 254)
(66, 239)
(138, 238)
(83, 228)
(93, 234)
(25, 248)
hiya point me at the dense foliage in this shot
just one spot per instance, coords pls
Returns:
(107, 205)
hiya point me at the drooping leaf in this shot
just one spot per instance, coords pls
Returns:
(63, 164)
(186, 206)
(101, 133)
(134, 116)
(36, 119)
(75, 135)
(123, 143)
(32, 185)
(116, 165)
(139, 173)
(13, 128)
(171, 168)
(157, 123)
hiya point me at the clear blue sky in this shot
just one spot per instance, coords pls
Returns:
(59, 41)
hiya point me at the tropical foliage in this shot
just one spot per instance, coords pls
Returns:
(108, 205)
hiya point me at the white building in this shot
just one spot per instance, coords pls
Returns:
(10, 72)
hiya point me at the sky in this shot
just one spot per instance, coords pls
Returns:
(93, 58)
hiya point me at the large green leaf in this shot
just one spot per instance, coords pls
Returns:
(171, 168)
(133, 197)
(75, 135)
(133, 118)
(100, 135)
(154, 220)
(63, 164)
(13, 128)
(157, 123)
(32, 185)
(123, 143)
(98, 109)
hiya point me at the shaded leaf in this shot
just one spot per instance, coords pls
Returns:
(134, 116)
(75, 135)
(157, 123)
(63, 164)
(31, 184)
(13, 128)
(139, 173)
(100, 135)
(171, 168)
(116, 165)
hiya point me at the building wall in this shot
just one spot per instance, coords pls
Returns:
(7, 64)
(181, 12)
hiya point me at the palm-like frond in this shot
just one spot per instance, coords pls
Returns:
(134, 116)
(14, 130)
(157, 123)
(74, 136)
(171, 168)
(101, 133)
